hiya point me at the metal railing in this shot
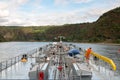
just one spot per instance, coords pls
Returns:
(11, 61)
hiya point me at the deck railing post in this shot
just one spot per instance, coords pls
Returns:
(18, 58)
(11, 61)
(15, 59)
(6, 65)
(98, 65)
(1, 66)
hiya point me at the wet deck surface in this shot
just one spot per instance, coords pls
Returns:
(18, 71)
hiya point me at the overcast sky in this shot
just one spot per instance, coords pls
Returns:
(52, 12)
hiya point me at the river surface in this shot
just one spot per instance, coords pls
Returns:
(10, 49)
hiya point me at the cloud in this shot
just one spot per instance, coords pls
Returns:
(3, 5)
(2, 20)
(12, 14)
(21, 1)
(82, 1)
(18, 2)
(4, 13)
(9, 11)
(71, 1)
(59, 18)
(61, 1)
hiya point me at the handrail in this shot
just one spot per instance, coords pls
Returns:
(106, 59)
(11, 61)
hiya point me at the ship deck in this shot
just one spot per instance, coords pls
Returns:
(20, 70)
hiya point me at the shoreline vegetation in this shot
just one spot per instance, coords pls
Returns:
(105, 30)
(101, 43)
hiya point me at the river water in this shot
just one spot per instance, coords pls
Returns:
(10, 49)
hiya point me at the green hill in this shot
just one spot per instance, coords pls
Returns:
(105, 29)
(108, 25)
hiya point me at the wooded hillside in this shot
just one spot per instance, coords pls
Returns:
(105, 29)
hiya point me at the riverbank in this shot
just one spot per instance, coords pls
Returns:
(100, 43)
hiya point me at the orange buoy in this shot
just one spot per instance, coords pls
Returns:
(23, 60)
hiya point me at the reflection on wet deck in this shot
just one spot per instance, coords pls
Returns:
(18, 71)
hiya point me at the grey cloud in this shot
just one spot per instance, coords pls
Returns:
(15, 24)
(2, 20)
